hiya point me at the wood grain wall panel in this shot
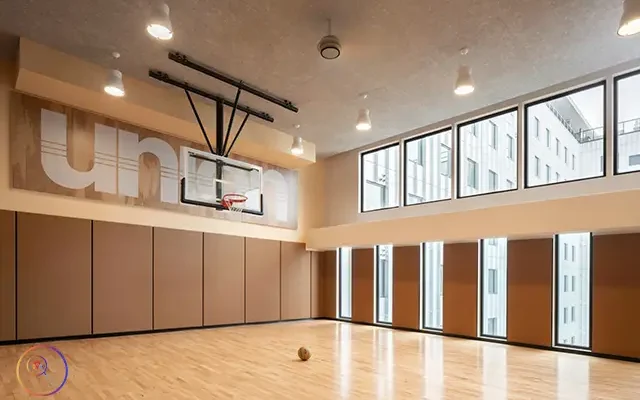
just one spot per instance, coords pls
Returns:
(7, 275)
(122, 277)
(54, 276)
(177, 278)
(316, 285)
(362, 270)
(530, 291)
(223, 279)
(460, 289)
(406, 287)
(329, 283)
(263, 280)
(295, 281)
(616, 295)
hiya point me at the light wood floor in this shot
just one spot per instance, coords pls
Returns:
(348, 362)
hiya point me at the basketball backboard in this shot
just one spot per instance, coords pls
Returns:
(209, 177)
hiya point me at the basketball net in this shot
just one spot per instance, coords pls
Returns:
(235, 203)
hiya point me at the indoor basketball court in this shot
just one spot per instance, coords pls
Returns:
(258, 200)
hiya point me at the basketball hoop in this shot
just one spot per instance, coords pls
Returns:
(234, 202)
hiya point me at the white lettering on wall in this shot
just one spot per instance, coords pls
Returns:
(116, 163)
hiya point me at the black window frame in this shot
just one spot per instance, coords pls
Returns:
(616, 81)
(459, 127)
(423, 286)
(361, 177)
(405, 160)
(525, 134)
(556, 294)
(376, 264)
(339, 261)
(481, 287)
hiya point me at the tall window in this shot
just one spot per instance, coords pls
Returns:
(344, 282)
(493, 290)
(428, 178)
(380, 177)
(627, 130)
(476, 156)
(576, 120)
(432, 262)
(384, 283)
(573, 300)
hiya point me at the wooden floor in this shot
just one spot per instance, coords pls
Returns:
(348, 362)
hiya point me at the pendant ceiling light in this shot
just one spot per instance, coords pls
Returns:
(329, 46)
(464, 82)
(296, 148)
(630, 21)
(114, 85)
(363, 122)
(159, 25)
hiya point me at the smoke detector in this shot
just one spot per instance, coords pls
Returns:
(329, 46)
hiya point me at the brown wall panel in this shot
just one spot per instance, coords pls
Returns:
(316, 285)
(177, 278)
(7, 275)
(406, 287)
(263, 280)
(54, 276)
(460, 289)
(122, 277)
(616, 295)
(530, 291)
(295, 281)
(223, 279)
(362, 270)
(329, 283)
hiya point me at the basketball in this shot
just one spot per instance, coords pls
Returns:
(304, 354)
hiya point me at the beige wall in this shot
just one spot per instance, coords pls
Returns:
(39, 84)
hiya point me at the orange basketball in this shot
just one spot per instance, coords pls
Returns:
(304, 354)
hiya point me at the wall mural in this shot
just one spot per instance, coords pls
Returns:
(65, 151)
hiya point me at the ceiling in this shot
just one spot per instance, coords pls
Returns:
(404, 54)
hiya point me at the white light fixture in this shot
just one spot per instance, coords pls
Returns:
(114, 85)
(296, 147)
(364, 120)
(159, 25)
(630, 21)
(464, 82)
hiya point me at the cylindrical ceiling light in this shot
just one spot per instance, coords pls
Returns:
(159, 25)
(364, 120)
(630, 21)
(464, 81)
(114, 85)
(296, 147)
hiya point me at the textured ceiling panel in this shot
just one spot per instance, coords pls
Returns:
(403, 53)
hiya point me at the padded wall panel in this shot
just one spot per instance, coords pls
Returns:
(263, 280)
(460, 289)
(54, 276)
(295, 281)
(316, 285)
(530, 291)
(223, 279)
(362, 270)
(406, 287)
(616, 295)
(177, 278)
(7, 275)
(329, 283)
(122, 277)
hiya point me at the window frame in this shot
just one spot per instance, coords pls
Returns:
(556, 294)
(616, 82)
(376, 265)
(458, 134)
(339, 261)
(481, 276)
(525, 134)
(423, 287)
(361, 180)
(404, 161)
